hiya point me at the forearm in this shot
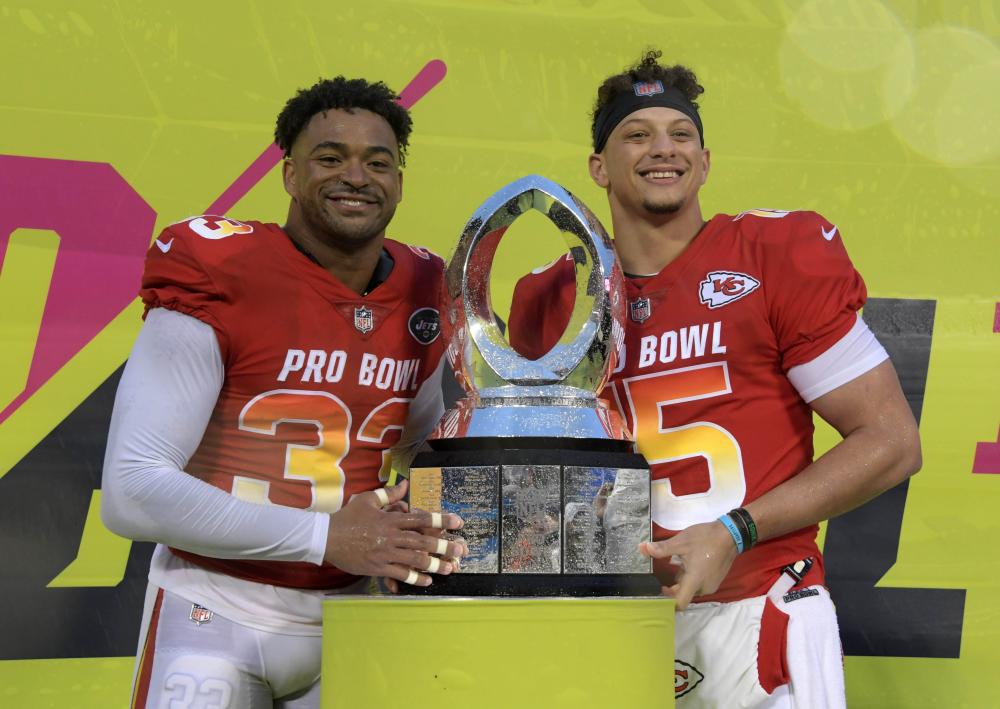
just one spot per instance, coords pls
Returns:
(881, 448)
(426, 410)
(159, 503)
(860, 467)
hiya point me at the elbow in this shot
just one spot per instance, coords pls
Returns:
(114, 508)
(110, 516)
(907, 454)
(913, 459)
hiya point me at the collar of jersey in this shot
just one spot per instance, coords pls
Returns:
(383, 287)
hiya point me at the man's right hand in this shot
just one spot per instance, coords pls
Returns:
(368, 538)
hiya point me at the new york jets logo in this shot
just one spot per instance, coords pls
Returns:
(425, 325)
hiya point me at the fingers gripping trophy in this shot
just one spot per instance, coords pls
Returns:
(555, 500)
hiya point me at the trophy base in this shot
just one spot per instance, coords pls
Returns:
(549, 517)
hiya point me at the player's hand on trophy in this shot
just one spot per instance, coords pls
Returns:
(375, 535)
(704, 553)
(394, 586)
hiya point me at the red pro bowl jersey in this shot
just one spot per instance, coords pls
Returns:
(702, 381)
(318, 380)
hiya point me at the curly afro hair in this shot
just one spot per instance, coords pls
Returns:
(345, 94)
(648, 69)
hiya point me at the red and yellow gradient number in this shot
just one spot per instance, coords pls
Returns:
(647, 395)
(320, 464)
(384, 419)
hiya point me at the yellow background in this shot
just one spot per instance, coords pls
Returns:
(880, 115)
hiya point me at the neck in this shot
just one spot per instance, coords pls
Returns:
(353, 263)
(646, 243)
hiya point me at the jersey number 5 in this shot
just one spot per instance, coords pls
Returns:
(647, 396)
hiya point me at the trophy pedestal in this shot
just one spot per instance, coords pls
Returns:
(549, 517)
(558, 653)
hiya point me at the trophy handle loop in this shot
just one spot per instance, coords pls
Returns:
(583, 360)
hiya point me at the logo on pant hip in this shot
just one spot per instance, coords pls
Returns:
(686, 678)
(200, 614)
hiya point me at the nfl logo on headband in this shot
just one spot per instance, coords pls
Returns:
(647, 88)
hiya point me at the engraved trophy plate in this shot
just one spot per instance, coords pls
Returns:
(605, 519)
(531, 519)
(568, 500)
(471, 493)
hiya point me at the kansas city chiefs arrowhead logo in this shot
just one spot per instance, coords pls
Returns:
(686, 678)
(723, 287)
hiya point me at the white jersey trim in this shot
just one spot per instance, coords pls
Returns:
(851, 356)
(274, 609)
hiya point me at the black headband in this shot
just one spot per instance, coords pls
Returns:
(644, 94)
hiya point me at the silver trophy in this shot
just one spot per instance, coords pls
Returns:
(555, 500)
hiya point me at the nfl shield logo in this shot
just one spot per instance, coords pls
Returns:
(647, 88)
(364, 320)
(200, 614)
(640, 310)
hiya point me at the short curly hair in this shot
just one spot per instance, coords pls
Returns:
(345, 94)
(646, 70)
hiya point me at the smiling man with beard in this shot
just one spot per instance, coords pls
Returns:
(279, 374)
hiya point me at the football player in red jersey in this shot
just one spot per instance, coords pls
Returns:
(279, 374)
(739, 328)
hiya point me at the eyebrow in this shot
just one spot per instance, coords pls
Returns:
(646, 121)
(342, 147)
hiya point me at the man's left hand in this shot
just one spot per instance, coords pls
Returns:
(704, 553)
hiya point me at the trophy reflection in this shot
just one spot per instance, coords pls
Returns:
(555, 500)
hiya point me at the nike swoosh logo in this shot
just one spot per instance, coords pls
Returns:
(828, 235)
(166, 247)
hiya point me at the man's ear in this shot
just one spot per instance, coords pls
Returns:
(597, 171)
(288, 177)
(400, 185)
(706, 158)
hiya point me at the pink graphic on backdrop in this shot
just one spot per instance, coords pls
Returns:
(261, 165)
(426, 79)
(105, 228)
(987, 458)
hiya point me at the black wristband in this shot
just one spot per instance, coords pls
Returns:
(744, 531)
(745, 521)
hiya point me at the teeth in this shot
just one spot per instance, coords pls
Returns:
(351, 202)
(668, 173)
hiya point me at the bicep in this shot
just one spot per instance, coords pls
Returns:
(165, 398)
(168, 390)
(873, 400)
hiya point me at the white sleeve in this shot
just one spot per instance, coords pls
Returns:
(851, 356)
(165, 399)
(426, 410)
